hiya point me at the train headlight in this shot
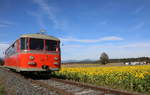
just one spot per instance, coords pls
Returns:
(31, 57)
(56, 58)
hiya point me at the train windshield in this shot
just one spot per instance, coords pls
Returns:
(24, 43)
(51, 45)
(36, 44)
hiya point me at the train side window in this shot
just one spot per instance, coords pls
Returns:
(24, 43)
(13, 49)
(10, 50)
(51, 45)
(36, 44)
(6, 52)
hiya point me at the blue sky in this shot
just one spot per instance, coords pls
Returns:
(121, 28)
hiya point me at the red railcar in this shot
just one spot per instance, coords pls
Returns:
(34, 52)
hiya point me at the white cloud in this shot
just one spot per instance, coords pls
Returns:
(110, 38)
(50, 11)
(47, 9)
(5, 24)
(3, 45)
(71, 46)
(138, 10)
(136, 45)
(138, 26)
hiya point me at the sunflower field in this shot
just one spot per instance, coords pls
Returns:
(133, 78)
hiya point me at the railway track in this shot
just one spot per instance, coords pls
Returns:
(66, 87)
(76, 88)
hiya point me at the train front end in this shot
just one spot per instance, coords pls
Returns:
(39, 52)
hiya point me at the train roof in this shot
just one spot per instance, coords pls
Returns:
(40, 36)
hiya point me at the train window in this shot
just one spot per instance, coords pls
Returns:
(36, 44)
(11, 50)
(51, 45)
(6, 52)
(16, 44)
(24, 43)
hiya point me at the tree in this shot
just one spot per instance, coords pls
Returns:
(104, 59)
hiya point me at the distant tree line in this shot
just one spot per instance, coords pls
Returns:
(104, 59)
(139, 59)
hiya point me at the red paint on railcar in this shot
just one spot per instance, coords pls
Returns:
(23, 57)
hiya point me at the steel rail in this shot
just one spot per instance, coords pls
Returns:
(59, 91)
(106, 90)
